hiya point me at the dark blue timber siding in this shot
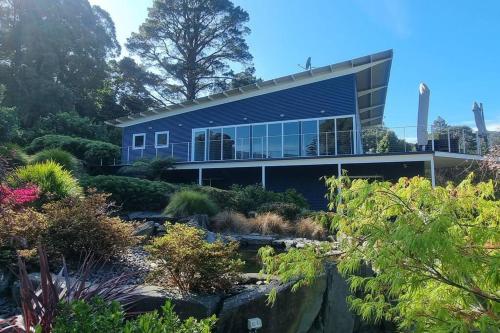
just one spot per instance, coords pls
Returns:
(332, 97)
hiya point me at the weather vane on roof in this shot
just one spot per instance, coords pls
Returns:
(308, 66)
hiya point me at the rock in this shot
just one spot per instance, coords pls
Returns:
(199, 221)
(293, 312)
(335, 315)
(146, 215)
(146, 229)
(153, 298)
(15, 292)
(6, 279)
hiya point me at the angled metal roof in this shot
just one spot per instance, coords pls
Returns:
(372, 78)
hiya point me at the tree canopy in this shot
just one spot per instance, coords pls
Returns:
(190, 45)
(53, 56)
(434, 253)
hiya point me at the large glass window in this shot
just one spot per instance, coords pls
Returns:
(274, 140)
(327, 137)
(309, 138)
(199, 145)
(291, 139)
(243, 142)
(228, 143)
(214, 144)
(345, 144)
(259, 141)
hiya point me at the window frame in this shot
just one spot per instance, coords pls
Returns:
(144, 141)
(156, 139)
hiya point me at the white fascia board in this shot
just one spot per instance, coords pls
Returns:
(361, 159)
(262, 91)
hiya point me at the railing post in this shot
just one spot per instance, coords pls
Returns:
(101, 161)
(142, 152)
(404, 137)
(172, 151)
(156, 152)
(449, 142)
(189, 153)
(432, 136)
(128, 155)
(477, 143)
(463, 140)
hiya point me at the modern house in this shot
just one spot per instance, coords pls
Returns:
(290, 131)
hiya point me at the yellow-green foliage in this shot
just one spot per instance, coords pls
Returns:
(49, 176)
(186, 203)
(190, 263)
(434, 252)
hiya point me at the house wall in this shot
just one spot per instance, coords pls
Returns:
(335, 97)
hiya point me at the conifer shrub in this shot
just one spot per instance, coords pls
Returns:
(61, 157)
(186, 203)
(50, 177)
(192, 264)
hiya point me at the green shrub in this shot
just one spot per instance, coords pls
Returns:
(84, 225)
(90, 151)
(289, 211)
(250, 198)
(14, 155)
(50, 177)
(187, 203)
(147, 169)
(61, 157)
(100, 316)
(224, 199)
(9, 121)
(132, 193)
(191, 264)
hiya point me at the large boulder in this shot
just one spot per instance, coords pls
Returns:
(153, 298)
(293, 312)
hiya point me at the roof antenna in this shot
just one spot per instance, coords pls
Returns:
(308, 65)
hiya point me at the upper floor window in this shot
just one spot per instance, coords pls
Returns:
(161, 139)
(139, 141)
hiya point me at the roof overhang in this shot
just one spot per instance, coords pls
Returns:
(372, 77)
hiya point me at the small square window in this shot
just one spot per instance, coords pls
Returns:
(139, 141)
(161, 139)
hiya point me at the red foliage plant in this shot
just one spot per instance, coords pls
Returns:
(19, 196)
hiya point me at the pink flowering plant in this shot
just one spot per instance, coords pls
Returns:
(18, 197)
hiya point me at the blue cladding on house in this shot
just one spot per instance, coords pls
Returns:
(332, 97)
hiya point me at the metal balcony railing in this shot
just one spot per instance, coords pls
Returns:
(334, 143)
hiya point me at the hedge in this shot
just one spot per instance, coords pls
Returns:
(90, 151)
(132, 193)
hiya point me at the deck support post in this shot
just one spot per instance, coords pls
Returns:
(263, 177)
(200, 176)
(433, 174)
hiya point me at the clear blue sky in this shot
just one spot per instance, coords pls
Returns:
(453, 46)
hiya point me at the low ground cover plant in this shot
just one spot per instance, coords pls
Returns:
(188, 262)
(50, 177)
(100, 316)
(132, 193)
(187, 203)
